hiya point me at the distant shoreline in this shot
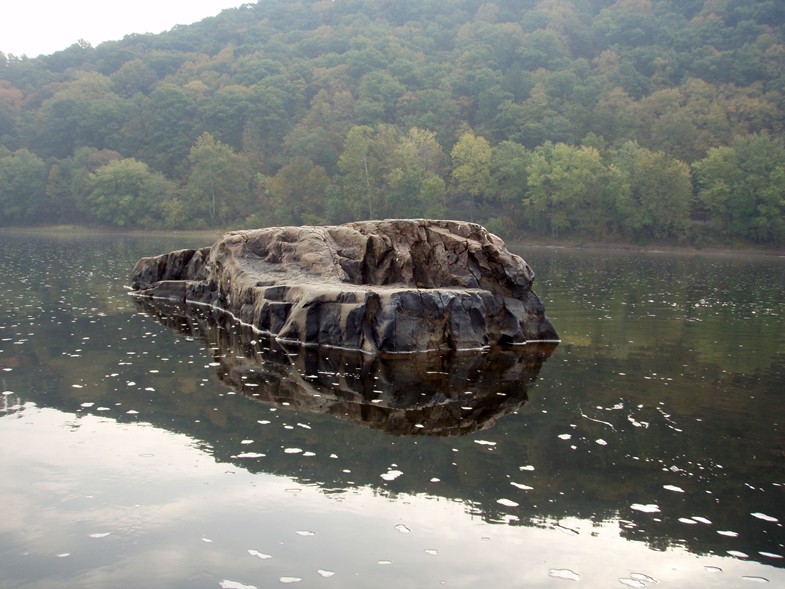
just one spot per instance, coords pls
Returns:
(518, 242)
(655, 248)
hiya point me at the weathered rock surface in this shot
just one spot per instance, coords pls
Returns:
(375, 286)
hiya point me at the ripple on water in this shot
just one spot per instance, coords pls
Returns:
(507, 502)
(522, 487)
(260, 555)
(770, 555)
(227, 584)
(564, 574)
(738, 554)
(712, 570)
(645, 507)
(643, 578)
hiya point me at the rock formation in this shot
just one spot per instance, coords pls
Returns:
(373, 286)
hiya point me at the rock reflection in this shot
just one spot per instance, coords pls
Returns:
(408, 394)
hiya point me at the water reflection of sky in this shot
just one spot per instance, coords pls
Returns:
(134, 505)
(134, 463)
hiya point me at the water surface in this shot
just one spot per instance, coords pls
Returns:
(174, 451)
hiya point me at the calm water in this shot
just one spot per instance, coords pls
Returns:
(169, 448)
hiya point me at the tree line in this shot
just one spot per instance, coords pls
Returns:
(599, 119)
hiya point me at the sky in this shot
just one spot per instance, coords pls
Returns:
(33, 28)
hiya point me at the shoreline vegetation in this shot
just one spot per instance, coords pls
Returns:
(578, 121)
(515, 242)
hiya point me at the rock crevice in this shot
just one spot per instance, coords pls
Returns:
(375, 286)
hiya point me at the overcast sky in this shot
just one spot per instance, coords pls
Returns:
(32, 28)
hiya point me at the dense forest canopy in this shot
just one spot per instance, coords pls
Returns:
(599, 119)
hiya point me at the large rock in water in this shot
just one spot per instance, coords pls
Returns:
(375, 286)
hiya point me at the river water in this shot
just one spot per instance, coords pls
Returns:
(169, 447)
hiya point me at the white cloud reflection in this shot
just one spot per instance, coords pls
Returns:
(153, 496)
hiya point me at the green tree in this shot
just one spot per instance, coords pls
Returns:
(170, 126)
(432, 197)
(79, 167)
(571, 189)
(274, 102)
(743, 188)
(543, 49)
(415, 183)
(23, 177)
(420, 150)
(509, 181)
(430, 108)
(535, 120)
(365, 165)
(83, 112)
(127, 194)
(471, 167)
(319, 135)
(404, 193)
(299, 193)
(59, 193)
(660, 196)
(219, 183)
(11, 101)
(225, 114)
(62, 127)
(134, 76)
(378, 93)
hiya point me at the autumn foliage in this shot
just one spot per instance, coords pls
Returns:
(593, 119)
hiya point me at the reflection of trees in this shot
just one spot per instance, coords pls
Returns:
(591, 482)
(729, 389)
(681, 305)
(698, 340)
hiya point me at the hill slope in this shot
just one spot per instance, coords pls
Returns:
(636, 119)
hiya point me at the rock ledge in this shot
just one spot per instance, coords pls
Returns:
(375, 286)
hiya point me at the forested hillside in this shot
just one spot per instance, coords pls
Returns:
(597, 119)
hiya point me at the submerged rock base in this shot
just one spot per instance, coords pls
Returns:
(374, 286)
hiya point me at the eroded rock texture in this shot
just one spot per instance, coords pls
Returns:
(375, 286)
